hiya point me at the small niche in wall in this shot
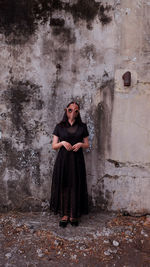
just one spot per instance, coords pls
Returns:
(127, 78)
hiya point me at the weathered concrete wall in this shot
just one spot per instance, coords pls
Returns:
(126, 180)
(55, 51)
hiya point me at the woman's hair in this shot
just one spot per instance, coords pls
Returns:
(65, 118)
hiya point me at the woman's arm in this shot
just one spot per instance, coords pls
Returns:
(84, 144)
(56, 144)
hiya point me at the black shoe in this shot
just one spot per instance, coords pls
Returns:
(74, 223)
(63, 223)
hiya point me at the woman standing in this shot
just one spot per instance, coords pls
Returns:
(69, 195)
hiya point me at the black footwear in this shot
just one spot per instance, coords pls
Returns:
(74, 222)
(63, 223)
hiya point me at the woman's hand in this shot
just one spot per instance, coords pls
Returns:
(77, 146)
(67, 145)
(85, 144)
(56, 144)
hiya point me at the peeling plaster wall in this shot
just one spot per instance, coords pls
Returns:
(126, 181)
(55, 51)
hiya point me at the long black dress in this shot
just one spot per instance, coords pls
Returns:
(69, 187)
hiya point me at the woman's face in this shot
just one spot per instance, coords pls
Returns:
(72, 111)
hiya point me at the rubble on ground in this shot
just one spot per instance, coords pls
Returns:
(101, 239)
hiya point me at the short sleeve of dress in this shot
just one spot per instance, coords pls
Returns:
(56, 130)
(85, 131)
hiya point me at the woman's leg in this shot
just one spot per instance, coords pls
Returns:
(73, 208)
(65, 203)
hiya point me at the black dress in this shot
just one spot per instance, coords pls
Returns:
(69, 187)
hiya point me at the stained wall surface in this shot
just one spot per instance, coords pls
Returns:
(55, 51)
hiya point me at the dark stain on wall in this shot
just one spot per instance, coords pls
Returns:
(18, 97)
(103, 115)
(60, 55)
(66, 35)
(85, 9)
(88, 51)
(103, 14)
(28, 159)
(19, 18)
(24, 102)
(74, 68)
(57, 22)
(27, 164)
(102, 199)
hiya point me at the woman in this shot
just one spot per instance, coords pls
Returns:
(69, 188)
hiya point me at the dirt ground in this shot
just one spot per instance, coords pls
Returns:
(101, 239)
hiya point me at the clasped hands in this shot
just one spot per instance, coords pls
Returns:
(69, 147)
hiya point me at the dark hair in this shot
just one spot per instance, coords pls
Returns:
(65, 118)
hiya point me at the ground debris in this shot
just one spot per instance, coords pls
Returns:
(102, 238)
(115, 243)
